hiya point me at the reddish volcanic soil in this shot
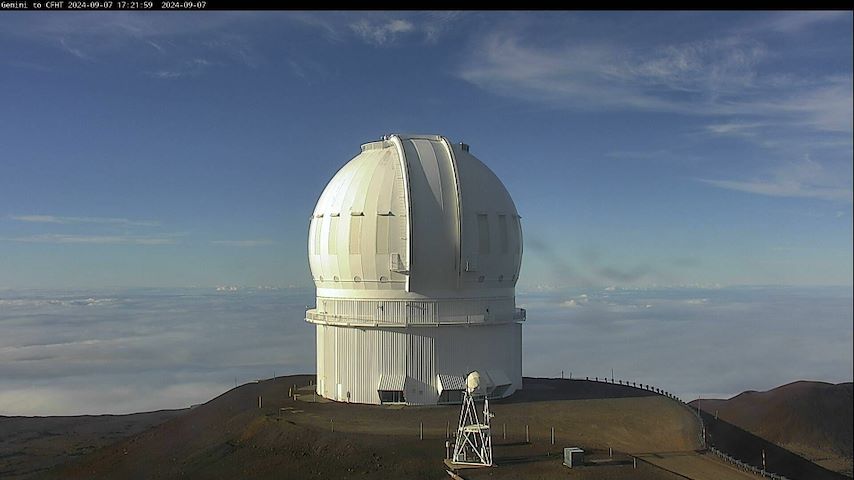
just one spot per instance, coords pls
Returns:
(231, 437)
(812, 419)
(31, 445)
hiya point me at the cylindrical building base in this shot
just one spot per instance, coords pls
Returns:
(416, 365)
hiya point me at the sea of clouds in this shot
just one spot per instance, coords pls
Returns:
(130, 350)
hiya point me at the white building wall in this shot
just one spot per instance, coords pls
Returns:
(356, 358)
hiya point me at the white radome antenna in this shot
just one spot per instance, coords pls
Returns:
(472, 381)
(474, 439)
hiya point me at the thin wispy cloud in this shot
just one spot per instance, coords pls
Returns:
(744, 129)
(793, 22)
(243, 243)
(156, 46)
(380, 29)
(325, 24)
(72, 50)
(237, 47)
(599, 75)
(383, 32)
(122, 24)
(62, 238)
(804, 179)
(777, 188)
(648, 109)
(715, 77)
(436, 24)
(178, 44)
(189, 68)
(55, 219)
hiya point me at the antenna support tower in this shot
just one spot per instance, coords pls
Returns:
(474, 439)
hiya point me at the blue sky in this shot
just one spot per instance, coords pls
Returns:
(180, 149)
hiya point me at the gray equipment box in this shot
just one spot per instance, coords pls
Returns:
(573, 457)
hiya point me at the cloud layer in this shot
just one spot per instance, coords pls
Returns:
(121, 351)
(132, 350)
(693, 342)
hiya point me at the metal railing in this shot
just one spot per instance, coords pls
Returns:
(313, 316)
(746, 466)
(725, 457)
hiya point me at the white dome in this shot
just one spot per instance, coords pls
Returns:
(415, 248)
(415, 216)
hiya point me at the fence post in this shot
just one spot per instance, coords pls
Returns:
(527, 435)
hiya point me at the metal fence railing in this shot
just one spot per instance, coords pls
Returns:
(744, 466)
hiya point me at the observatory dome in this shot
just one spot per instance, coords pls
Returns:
(413, 243)
(414, 216)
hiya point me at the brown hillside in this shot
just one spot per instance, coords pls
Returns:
(31, 445)
(230, 437)
(813, 419)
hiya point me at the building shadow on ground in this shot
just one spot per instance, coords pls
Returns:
(543, 389)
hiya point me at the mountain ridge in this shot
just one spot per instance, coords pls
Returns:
(811, 418)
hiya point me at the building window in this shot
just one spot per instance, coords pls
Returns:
(383, 234)
(315, 235)
(355, 235)
(332, 241)
(391, 396)
(482, 233)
